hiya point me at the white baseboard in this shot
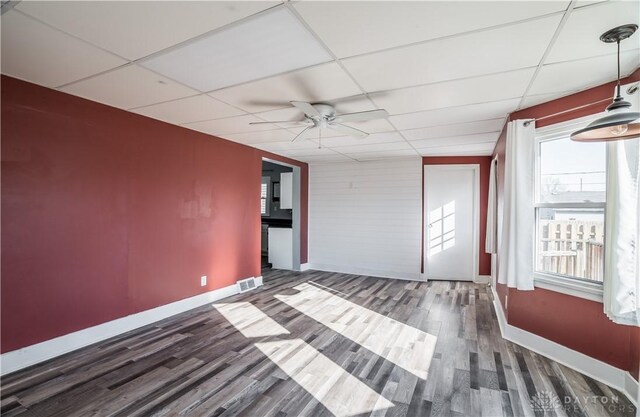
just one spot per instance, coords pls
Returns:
(632, 386)
(40, 352)
(304, 267)
(410, 276)
(594, 368)
(482, 279)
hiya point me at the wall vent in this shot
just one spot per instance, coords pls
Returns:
(245, 285)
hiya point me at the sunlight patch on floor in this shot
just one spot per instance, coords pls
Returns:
(339, 391)
(250, 320)
(405, 346)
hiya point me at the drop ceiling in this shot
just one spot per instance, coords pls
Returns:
(448, 72)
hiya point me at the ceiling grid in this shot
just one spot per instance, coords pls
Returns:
(448, 73)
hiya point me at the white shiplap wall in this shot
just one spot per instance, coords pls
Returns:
(365, 217)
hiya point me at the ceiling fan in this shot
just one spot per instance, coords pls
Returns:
(323, 116)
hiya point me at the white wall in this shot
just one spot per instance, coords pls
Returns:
(365, 217)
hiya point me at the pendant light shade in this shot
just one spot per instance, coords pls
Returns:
(619, 123)
(613, 126)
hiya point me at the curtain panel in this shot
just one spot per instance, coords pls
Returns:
(491, 240)
(515, 259)
(622, 225)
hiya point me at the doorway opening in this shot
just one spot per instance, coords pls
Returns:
(280, 215)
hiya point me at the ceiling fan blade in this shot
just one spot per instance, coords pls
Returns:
(294, 122)
(307, 108)
(361, 116)
(351, 131)
(301, 134)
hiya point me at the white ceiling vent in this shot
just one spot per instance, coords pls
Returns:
(246, 284)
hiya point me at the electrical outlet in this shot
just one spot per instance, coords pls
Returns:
(203, 280)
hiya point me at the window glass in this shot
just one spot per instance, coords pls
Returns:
(572, 172)
(571, 242)
(264, 195)
(571, 187)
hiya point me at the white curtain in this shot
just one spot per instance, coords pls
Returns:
(515, 258)
(622, 225)
(490, 243)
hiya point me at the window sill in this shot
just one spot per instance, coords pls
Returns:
(586, 290)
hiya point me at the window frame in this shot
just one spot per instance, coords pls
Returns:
(557, 282)
(266, 180)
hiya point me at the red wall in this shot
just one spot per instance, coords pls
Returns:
(634, 349)
(484, 259)
(571, 321)
(107, 213)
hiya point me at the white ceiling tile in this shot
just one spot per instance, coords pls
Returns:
(481, 149)
(580, 36)
(476, 139)
(455, 93)
(190, 109)
(307, 152)
(534, 100)
(453, 115)
(583, 74)
(449, 153)
(129, 87)
(238, 124)
(370, 156)
(250, 138)
(317, 84)
(485, 126)
(37, 53)
(353, 104)
(321, 159)
(372, 126)
(497, 50)
(289, 114)
(270, 43)
(315, 134)
(365, 146)
(339, 141)
(286, 145)
(351, 28)
(583, 3)
(133, 29)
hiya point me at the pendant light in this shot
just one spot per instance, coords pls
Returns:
(619, 123)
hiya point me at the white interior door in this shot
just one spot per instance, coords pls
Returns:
(451, 222)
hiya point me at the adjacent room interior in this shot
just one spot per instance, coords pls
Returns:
(308, 208)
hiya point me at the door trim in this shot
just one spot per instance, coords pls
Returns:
(476, 215)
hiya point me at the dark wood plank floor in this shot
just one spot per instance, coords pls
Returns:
(316, 344)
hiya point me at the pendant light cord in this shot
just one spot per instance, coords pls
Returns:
(618, 85)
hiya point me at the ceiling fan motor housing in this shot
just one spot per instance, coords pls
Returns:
(327, 114)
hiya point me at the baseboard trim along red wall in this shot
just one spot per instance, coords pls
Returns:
(106, 213)
(574, 322)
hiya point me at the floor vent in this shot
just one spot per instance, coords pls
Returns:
(246, 284)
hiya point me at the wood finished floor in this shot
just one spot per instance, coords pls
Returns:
(317, 344)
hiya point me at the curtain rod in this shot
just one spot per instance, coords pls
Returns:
(528, 121)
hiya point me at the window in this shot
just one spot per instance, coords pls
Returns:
(570, 204)
(264, 196)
